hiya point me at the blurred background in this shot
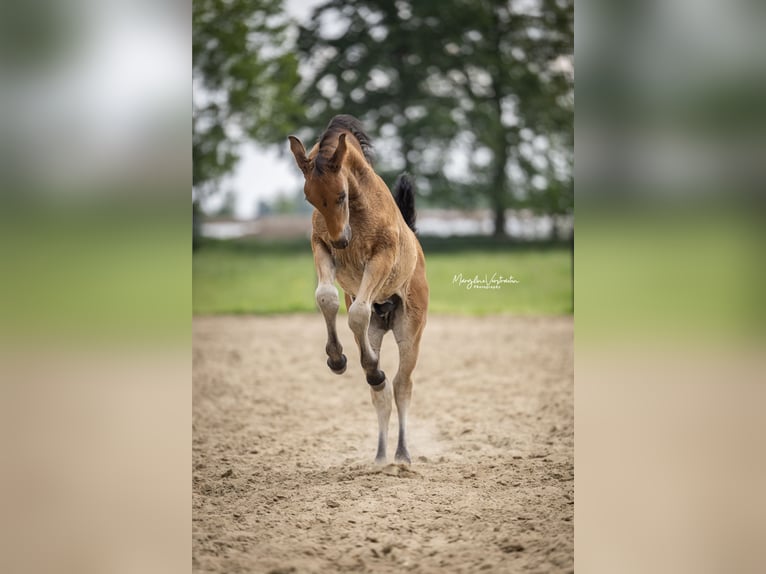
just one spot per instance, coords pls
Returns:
(475, 100)
(96, 283)
(670, 172)
(95, 288)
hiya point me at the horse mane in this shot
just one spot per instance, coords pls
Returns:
(338, 124)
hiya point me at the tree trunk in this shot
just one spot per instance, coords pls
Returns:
(196, 225)
(499, 192)
(499, 225)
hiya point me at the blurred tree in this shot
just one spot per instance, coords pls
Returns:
(512, 69)
(476, 94)
(366, 58)
(244, 80)
(228, 207)
(263, 207)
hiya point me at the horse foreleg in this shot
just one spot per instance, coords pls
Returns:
(328, 302)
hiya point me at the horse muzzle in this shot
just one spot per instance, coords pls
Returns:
(342, 243)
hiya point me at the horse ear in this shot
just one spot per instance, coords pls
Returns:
(337, 158)
(300, 154)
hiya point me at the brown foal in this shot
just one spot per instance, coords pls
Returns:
(363, 237)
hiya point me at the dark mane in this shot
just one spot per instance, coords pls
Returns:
(337, 125)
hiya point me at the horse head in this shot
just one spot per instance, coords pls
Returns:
(326, 187)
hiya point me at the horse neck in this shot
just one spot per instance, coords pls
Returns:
(363, 183)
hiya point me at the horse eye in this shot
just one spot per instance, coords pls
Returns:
(341, 197)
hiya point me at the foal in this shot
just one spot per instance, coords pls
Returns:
(364, 238)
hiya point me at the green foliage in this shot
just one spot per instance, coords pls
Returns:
(487, 82)
(228, 205)
(374, 70)
(487, 76)
(257, 277)
(244, 82)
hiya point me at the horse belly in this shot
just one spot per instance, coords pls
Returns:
(349, 278)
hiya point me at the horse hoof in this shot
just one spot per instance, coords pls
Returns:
(403, 457)
(376, 379)
(338, 368)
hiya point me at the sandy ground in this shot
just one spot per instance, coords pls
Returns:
(284, 479)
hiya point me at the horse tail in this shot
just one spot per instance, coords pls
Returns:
(404, 194)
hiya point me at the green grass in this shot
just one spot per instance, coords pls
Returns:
(677, 274)
(544, 282)
(228, 278)
(94, 275)
(265, 278)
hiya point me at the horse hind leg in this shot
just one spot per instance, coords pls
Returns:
(381, 400)
(408, 329)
